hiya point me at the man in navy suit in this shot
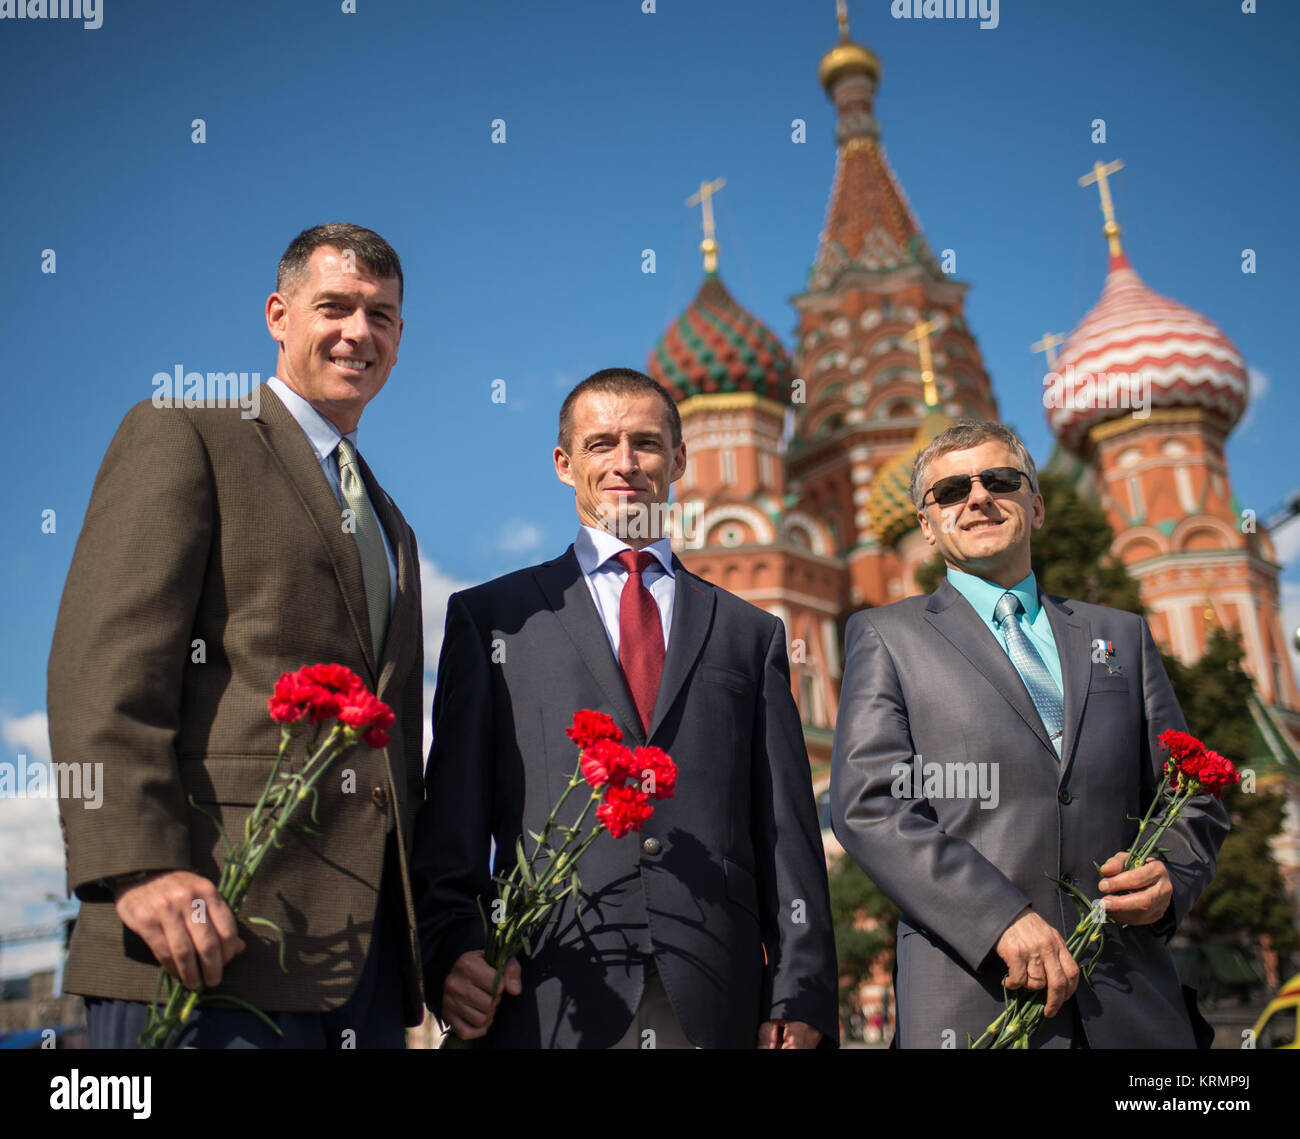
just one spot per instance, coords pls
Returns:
(712, 926)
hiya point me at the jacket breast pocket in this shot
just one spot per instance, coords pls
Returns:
(1108, 684)
(727, 677)
(231, 780)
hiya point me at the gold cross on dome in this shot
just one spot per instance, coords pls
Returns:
(921, 334)
(1100, 173)
(1049, 343)
(704, 197)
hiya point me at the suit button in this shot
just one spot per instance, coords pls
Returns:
(652, 846)
(1063, 795)
(380, 798)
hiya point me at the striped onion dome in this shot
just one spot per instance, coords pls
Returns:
(890, 506)
(716, 346)
(1135, 331)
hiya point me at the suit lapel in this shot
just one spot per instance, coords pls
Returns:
(950, 613)
(405, 616)
(1074, 646)
(289, 445)
(693, 604)
(566, 593)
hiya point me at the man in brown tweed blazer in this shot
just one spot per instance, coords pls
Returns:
(219, 551)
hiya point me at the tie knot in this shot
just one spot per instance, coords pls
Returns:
(635, 561)
(1008, 605)
(347, 453)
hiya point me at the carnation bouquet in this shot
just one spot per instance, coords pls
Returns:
(620, 784)
(330, 709)
(1191, 770)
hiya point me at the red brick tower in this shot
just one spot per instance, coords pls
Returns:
(861, 402)
(732, 381)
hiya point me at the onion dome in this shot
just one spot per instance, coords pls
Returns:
(890, 507)
(846, 57)
(1134, 332)
(716, 346)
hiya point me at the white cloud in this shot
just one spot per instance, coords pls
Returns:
(31, 851)
(1286, 541)
(518, 537)
(1259, 385)
(27, 735)
(1291, 621)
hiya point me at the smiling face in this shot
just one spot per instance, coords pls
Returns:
(988, 534)
(338, 328)
(621, 455)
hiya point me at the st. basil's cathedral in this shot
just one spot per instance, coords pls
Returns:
(797, 485)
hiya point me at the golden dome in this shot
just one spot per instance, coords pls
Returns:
(847, 58)
(890, 505)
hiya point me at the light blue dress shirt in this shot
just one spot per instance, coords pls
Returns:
(324, 439)
(983, 597)
(605, 578)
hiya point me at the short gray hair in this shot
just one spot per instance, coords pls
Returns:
(962, 436)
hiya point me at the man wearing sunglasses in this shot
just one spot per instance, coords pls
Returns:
(990, 736)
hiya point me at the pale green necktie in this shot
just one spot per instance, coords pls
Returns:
(370, 542)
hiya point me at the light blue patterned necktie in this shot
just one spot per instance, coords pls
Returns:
(1042, 688)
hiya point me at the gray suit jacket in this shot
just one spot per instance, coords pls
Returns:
(926, 676)
(731, 900)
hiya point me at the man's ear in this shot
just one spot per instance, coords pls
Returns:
(277, 312)
(1037, 512)
(679, 463)
(563, 466)
(925, 527)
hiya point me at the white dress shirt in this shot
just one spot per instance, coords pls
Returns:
(324, 439)
(596, 550)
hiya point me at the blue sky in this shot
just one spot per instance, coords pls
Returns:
(523, 259)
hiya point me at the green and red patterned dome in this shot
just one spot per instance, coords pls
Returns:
(716, 346)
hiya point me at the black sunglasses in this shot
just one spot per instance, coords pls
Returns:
(956, 488)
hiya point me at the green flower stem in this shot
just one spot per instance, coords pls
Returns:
(263, 829)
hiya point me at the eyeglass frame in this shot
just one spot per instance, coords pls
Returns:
(977, 475)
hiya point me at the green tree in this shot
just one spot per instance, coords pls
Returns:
(1247, 894)
(864, 920)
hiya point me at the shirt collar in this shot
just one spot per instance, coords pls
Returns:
(984, 595)
(595, 546)
(321, 433)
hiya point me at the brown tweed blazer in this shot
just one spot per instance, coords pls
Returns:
(212, 559)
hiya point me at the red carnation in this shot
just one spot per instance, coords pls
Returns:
(653, 766)
(364, 712)
(1216, 774)
(327, 691)
(297, 698)
(624, 809)
(589, 726)
(1180, 745)
(606, 762)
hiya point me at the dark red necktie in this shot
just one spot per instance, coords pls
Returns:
(640, 635)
